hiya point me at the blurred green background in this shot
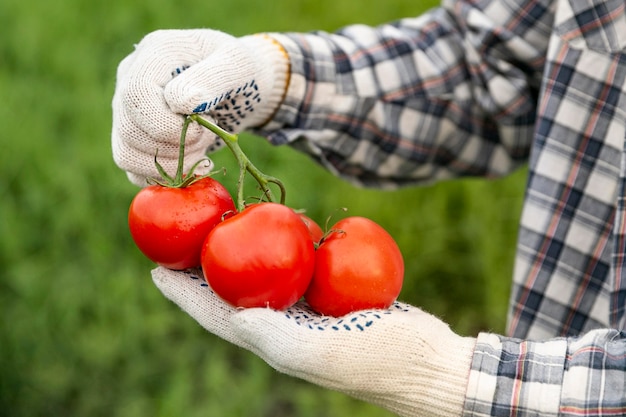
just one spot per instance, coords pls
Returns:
(83, 330)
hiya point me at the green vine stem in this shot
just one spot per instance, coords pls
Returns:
(244, 163)
(180, 180)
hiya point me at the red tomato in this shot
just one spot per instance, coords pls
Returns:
(261, 257)
(315, 230)
(358, 266)
(169, 225)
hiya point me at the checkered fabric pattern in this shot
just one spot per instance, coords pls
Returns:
(477, 88)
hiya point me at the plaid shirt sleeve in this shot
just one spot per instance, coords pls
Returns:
(570, 267)
(582, 376)
(450, 93)
(470, 89)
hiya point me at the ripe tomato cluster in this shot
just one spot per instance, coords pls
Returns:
(265, 254)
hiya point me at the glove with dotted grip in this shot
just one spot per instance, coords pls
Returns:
(401, 358)
(238, 82)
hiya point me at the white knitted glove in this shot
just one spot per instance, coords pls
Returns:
(402, 359)
(239, 82)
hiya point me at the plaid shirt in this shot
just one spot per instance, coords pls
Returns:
(479, 87)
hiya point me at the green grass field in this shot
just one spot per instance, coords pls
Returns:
(83, 330)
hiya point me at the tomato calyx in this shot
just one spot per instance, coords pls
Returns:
(328, 232)
(327, 235)
(245, 165)
(181, 179)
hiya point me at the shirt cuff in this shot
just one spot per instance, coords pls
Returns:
(511, 376)
(594, 381)
(311, 85)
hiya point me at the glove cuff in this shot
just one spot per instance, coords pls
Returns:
(274, 58)
(445, 397)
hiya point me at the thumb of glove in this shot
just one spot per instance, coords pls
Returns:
(239, 84)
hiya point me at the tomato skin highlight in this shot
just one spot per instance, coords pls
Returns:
(169, 225)
(358, 266)
(260, 257)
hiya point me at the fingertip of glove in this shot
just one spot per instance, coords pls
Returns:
(180, 286)
(137, 180)
(166, 278)
(161, 276)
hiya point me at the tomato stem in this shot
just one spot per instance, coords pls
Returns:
(180, 180)
(181, 152)
(244, 163)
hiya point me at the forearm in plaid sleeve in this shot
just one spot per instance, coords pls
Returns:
(450, 93)
(594, 383)
(557, 377)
